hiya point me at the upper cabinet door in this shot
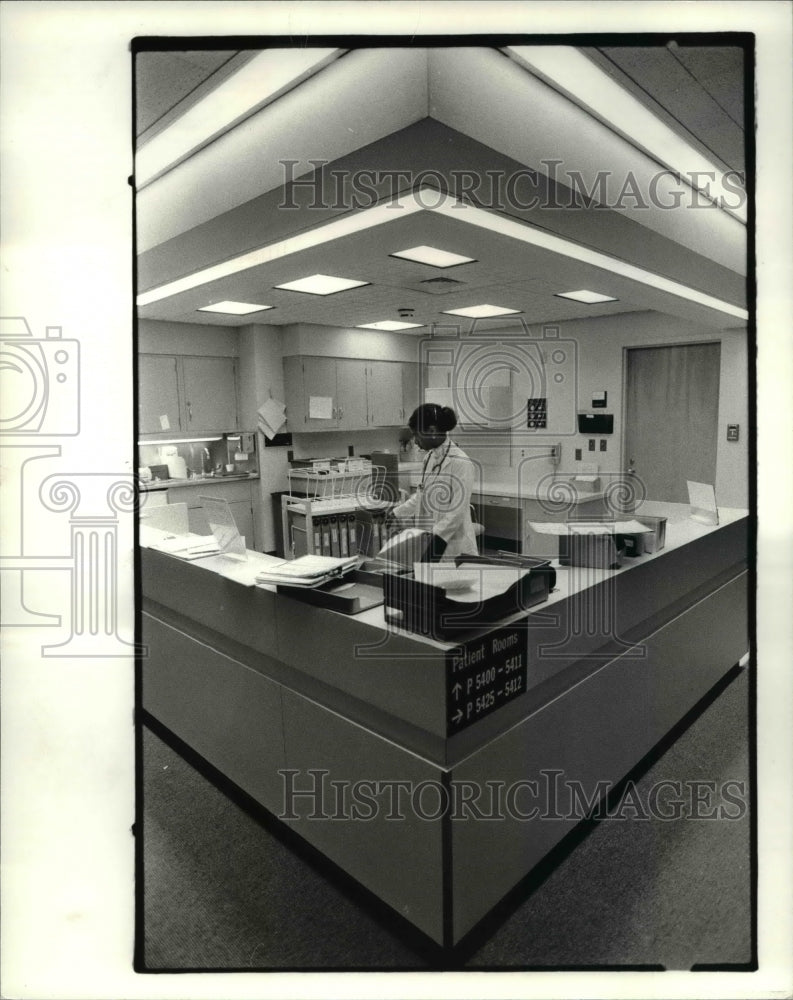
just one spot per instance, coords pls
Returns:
(384, 391)
(320, 397)
(351, 383)
(296, 408)
(210, 394)
(158, 394)
(410, 389)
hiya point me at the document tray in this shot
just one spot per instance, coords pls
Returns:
(350, 594)
(428, 610)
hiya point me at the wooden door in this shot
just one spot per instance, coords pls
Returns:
(158, 394)
(671, 417)
(210, 392)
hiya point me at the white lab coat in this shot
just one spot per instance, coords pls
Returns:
(442, 503)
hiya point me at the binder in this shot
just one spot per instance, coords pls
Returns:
(344, 549)
(376, 530)
(324, 527)
(317, 549)
(334, 535)
(352, 535)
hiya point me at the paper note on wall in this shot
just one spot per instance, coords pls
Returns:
(165, 423)
(270, 418)
(320, 407)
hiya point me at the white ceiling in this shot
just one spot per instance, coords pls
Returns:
(443, 110)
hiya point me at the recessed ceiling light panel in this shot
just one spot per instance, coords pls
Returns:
(482, 312)
(234, 308)
(321, 284)
(389, 324)
(433, 256)
(584, 295)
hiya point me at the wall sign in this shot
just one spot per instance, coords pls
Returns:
(537, 414)
(484, 674)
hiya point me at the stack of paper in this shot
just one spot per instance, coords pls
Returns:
(271, 417)
(186, 546)
(307, 571)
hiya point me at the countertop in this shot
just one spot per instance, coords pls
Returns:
(165, 484)
(510, 482)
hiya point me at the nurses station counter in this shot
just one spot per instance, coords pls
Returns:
(421, 767)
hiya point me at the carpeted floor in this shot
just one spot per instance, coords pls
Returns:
(222, 891)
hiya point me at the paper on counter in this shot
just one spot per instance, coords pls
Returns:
(701, 495)
(485, 581)
(631, 527)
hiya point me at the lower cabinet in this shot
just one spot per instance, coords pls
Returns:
(203, 696)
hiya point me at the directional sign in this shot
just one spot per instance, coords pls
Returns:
(484, 674)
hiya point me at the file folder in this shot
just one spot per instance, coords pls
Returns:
(324, 527)
(334, 535)
(352, 535)
(344, 549)
(376, 532)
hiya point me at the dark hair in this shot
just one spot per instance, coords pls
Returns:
(432, 415)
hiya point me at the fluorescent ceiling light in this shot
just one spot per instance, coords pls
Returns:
(433, 256)
(353, 222)
(585, 296)
(481, 312)
(389, 324)
(321, 284)
(577, 76)
(555, 244)
(233, 308)
(259, 81)
(416, 201)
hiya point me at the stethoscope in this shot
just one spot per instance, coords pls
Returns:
(436, 467)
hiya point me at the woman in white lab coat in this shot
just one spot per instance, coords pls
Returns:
(441, 506)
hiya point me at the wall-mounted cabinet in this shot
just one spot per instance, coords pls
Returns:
(159, 405)
(329, 394)
(488, 407)
(186, 394)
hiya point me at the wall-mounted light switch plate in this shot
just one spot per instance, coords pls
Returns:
(603, 444)
(733, 431)
(591, 444)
